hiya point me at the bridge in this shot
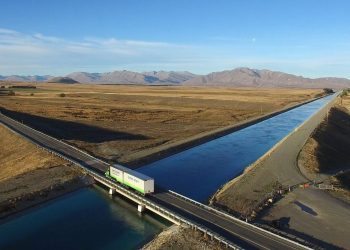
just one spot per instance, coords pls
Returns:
(217, 225)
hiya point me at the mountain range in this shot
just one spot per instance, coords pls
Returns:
(239, 77)
(130, 77)
(246, 77)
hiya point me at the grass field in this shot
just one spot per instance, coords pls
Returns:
(117, 122)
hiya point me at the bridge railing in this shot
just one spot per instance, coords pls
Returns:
(170, 214)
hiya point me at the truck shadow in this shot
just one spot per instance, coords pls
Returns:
(68, 130)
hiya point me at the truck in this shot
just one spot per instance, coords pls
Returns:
(130, 178)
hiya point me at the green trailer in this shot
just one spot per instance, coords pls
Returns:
(133, 179)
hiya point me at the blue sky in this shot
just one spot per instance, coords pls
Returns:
(303, 37)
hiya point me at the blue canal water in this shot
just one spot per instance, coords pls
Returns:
(90, 219)
(200, 171)
(85, 219)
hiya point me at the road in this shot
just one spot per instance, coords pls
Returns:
(242, 234)
(285, 156)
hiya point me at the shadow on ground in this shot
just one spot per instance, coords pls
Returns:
(282, 224)
(333, 141)
(68, 130)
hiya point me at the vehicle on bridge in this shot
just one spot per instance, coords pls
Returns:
(133, 179)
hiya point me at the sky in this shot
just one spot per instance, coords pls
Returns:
(302, 37)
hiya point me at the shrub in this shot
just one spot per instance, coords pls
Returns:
(328, 91)
(12, 93)
(62, 95)
(31, 94)
(344, 93)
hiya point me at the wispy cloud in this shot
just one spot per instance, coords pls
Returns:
(22, 53)
(7, 31)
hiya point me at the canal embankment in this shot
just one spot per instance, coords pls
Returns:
(30, 175)
(325, 156)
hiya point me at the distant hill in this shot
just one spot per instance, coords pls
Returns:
(170, 76)
(85, 77)
(17, 78)
(129, 77)
(66, 80)
(114, 77)
(246, 77)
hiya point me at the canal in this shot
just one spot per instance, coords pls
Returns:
(86, 219)
(91, 219)
(200, 171)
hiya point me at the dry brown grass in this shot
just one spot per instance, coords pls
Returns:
(135, 119)
(26, 169)
(176, 237)
(17, 156)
